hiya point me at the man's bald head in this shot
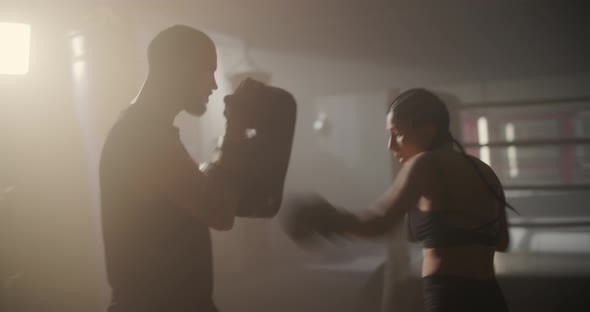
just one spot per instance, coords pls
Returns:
(182, 63)
(180, 46)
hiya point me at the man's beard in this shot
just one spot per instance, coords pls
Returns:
(196, 110)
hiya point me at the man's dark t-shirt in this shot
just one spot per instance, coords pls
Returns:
(158, 257)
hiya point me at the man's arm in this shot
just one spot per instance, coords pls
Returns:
(212, 198)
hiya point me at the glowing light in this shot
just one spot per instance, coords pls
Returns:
(79, 69)
(78, 46)
(483, 138)
(512, 156)
(15, 43)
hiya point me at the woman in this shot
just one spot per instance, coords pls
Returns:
(453, 201)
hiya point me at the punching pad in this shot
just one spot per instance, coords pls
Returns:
(264, 118)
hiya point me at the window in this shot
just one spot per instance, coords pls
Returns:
(541, 132)
(483, 138)
(15, 41)
(78, 53)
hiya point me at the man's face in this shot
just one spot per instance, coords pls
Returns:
(198, 83)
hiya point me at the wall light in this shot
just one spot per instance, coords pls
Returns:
(15, 42)
(483, 138)
(512, 156)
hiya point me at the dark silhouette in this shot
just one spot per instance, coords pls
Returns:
(454, 204)
(157, 205)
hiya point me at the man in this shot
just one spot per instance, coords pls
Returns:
(157, 206)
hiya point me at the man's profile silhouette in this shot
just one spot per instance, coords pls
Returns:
(157, 206)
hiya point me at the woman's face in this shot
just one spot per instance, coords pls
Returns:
(407, 142)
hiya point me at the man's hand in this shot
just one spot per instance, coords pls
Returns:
(257, 161)
(241, 107)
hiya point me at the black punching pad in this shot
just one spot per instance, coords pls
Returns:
(268, 113)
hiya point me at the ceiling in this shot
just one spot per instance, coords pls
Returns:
(500, 38)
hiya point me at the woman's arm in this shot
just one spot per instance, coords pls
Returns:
(307, 216)
(413, 181)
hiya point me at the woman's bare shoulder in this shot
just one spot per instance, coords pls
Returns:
(421, 167)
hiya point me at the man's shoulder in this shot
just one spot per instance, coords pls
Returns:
(132, 126)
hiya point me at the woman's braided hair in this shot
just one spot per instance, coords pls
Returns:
(419, 106)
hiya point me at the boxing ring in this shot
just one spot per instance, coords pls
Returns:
(545, 177)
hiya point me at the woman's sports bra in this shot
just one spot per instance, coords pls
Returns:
(434, 230)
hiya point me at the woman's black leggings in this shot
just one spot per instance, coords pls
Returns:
(457, 294)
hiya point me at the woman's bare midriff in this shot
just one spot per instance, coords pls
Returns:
(466, 261)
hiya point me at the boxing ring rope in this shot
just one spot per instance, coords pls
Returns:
(492, 108)
(530, 143)
(523, 103)
(549, 222)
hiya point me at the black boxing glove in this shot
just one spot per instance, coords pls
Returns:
(309, 216)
